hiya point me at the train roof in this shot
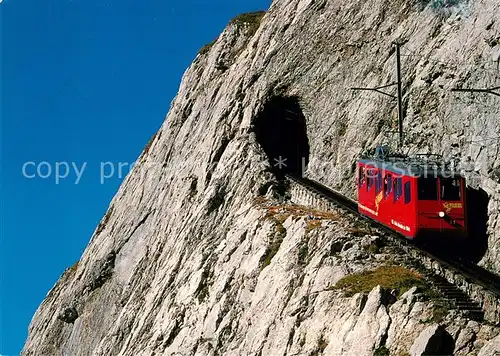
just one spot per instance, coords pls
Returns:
(411, 169)
(423, 165)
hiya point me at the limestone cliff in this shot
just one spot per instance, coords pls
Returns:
(189, 260)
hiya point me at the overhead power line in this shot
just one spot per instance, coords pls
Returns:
(400, 92)
(455, 63)
(473, 90)
(377, 89)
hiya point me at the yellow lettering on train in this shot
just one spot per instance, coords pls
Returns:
(449, 206)
(362, 207)
(378, 199)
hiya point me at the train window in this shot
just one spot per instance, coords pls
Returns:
(362, 177)
(388, 185)
(378, 182)
(369, 179)
(450, 189)
(407, 192)
(427, 189)
(398, 189)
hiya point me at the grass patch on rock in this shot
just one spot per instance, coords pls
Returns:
(252, 19)
(442, 8)
(281, 212)
(74, 267)
(440, 310)
(271, 251)
(104, 221)
(303, 253)
(275, 238)
(321, 345)
(312, 225)
(359, 231)
(440, 4)
(206, 48)
(389, 277)
(382, 351)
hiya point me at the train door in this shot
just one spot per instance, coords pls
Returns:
(361, 182)
(387, 197)
(366, 202)
(410, 204)
(451, 201)
(428, 203)
(397, 201)
(378, 195)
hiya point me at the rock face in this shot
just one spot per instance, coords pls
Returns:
(491, 348)
(189, 261)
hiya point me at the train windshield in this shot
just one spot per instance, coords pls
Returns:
(450, 189)
(427, 189)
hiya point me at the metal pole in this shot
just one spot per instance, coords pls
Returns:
(400, 95)
(487, 90)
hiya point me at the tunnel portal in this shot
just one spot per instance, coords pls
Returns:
(281, 130)
(477, 219)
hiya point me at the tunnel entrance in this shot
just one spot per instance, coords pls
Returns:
(280, 129)
(477, 220)
(474, 247)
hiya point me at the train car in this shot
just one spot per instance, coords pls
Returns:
(413, 197)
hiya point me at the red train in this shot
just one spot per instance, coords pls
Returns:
(414, 197)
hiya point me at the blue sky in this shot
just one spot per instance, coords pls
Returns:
(81, 81)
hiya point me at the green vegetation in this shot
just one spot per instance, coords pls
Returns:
(441, 4)
(284, 211)
(372, 248)
(495, 174)
(202, 291)
(206, 48)
(342, 128)
(398, 278)
(252, 19)
(280, 230)
(104, 221)
(302, 341)
(277, 214)
(74, 267)
(389, 277)
(303, 253)
(312, 225)
(321, 346)
(276, 239)
(193, 187)
(359, 231)
(382, 351)
(146, 149)
(271, 251)
(441, 308)
(322, 343)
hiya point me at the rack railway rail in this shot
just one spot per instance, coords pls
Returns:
(470, 289)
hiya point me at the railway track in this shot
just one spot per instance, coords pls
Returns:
(472, 290)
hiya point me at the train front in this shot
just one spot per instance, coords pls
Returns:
(442, 206)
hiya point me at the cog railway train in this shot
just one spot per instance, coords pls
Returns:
(413, 196)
